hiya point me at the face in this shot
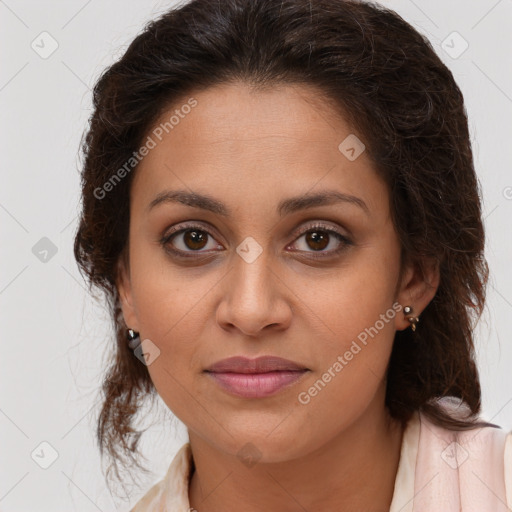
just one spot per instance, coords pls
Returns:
(257, 270)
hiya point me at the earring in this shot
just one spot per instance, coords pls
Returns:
(133, 338)
(412, 319)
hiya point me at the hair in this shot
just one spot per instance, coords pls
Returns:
(385, 78)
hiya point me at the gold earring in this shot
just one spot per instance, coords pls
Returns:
(412, 319)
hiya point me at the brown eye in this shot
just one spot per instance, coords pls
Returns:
(317, 240)
(194, 239)
(189, 240)
(192, 242)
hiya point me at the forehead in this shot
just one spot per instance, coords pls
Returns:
(253, 144)
(234, 115)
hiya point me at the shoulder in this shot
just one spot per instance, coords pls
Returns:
(171, 493)
(471, 469)
(508, 468)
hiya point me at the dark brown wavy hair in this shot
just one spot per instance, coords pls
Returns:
(389, 84)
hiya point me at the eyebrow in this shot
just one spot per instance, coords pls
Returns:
(285, 207)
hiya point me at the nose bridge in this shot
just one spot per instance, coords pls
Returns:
(252, 275)
(250, 298)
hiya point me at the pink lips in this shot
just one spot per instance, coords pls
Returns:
(255, 378)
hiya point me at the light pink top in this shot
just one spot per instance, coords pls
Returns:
(439, 471)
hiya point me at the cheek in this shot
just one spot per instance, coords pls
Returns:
(356, 311)
(167, 296)
(356, 296)
(176, 330)
(170, 304)
(352, 361)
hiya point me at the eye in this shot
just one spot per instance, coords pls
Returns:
(192, 238)
(318, 237)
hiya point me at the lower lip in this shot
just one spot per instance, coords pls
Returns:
(256, 385)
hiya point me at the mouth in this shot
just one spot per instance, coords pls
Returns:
(263, 364)
(256, 378)
(256, 385)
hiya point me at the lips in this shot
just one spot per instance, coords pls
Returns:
(263, 364)
(256, 378)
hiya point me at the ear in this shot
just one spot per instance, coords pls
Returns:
(417, 288)
(124, 289)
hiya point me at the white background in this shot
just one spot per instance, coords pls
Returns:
(54, 336)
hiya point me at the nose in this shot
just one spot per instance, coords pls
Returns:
(255, 298)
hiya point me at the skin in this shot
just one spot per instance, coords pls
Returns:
(250, 150)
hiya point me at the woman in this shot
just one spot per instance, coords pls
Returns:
(280, 202)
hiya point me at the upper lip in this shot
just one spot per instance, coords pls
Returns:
(263, 364)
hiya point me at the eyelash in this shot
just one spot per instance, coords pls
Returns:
(318, 226)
